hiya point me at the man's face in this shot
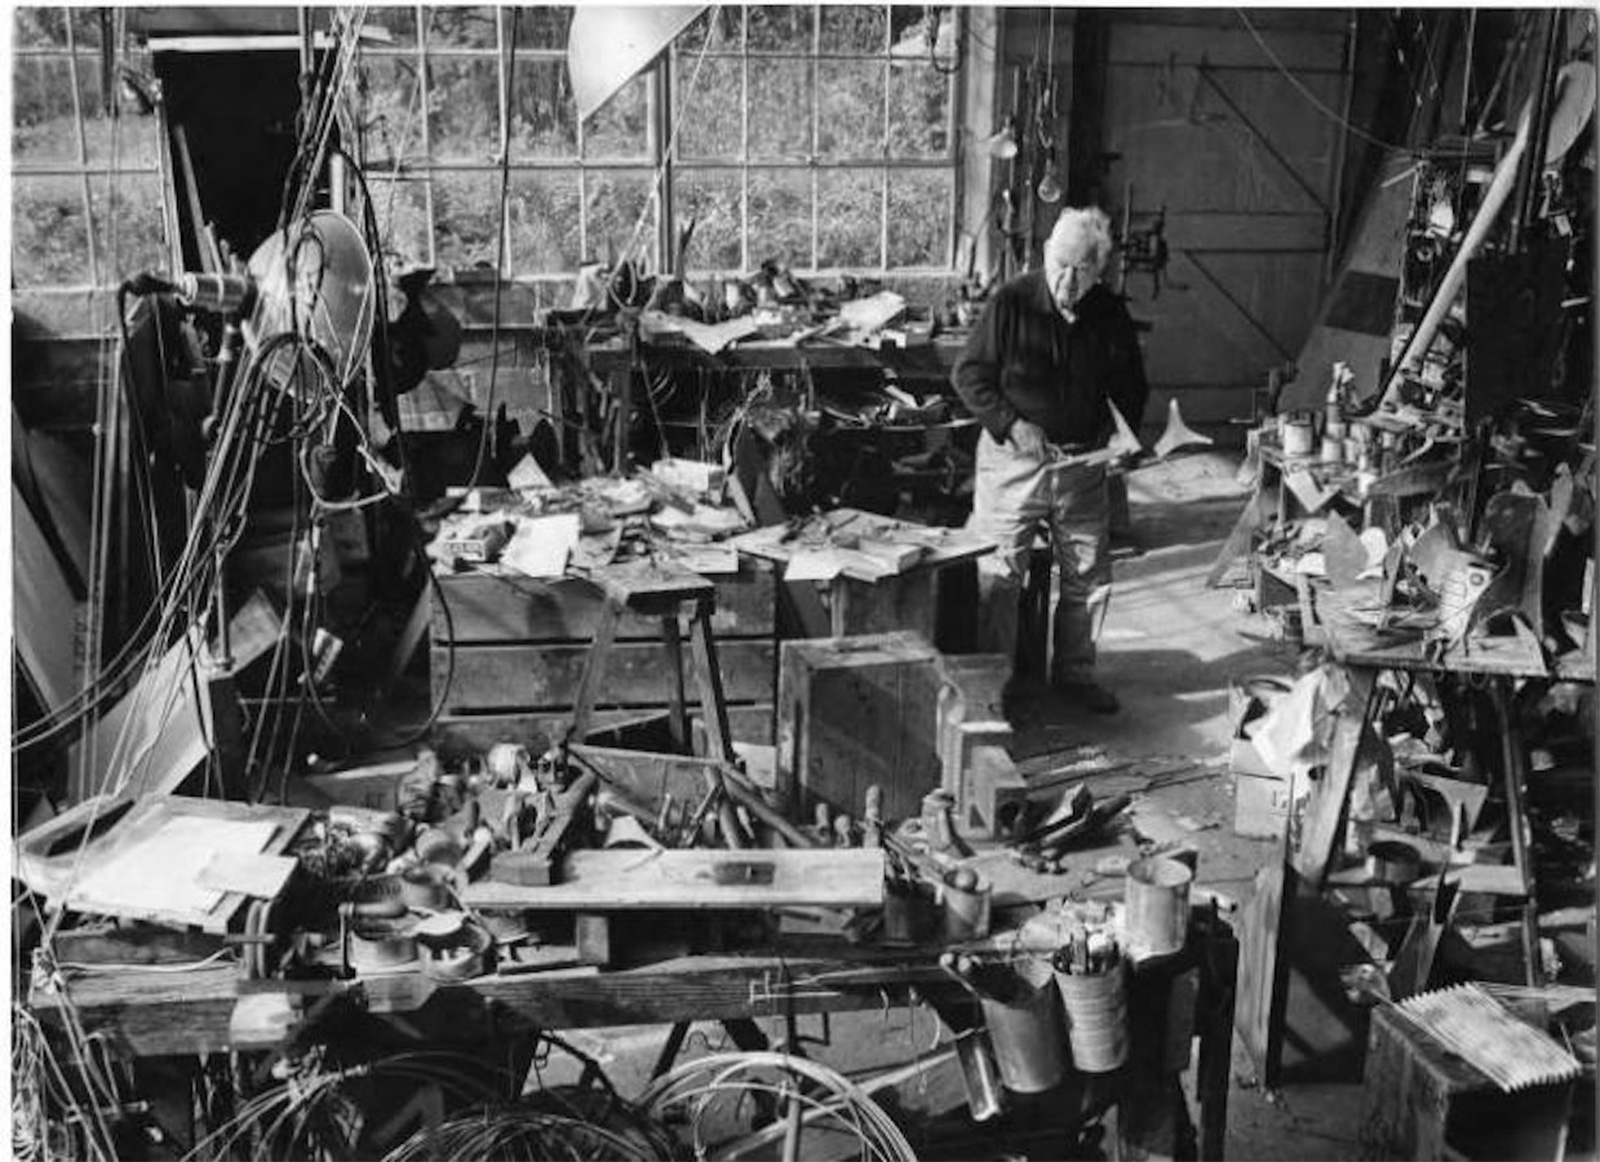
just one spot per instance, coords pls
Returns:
(1071, 269)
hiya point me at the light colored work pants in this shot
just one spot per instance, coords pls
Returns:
(1013, 496)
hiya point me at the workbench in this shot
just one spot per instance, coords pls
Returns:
(1311, 863)
(152, 1014)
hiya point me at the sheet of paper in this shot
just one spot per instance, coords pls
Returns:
(813, 565)
(252, 874)
(542, 545)
(161, 872)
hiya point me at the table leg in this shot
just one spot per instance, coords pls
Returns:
(1514, 759)
(677, 715)
(593, 670)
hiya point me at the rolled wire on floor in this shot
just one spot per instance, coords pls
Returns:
(695, 1090)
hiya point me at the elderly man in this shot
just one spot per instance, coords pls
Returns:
(1050, 350)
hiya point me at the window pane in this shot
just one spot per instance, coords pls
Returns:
(466, 210)
(44, 122)
(135, 132)
(919, 109)
(50, 237)
(711, 199)
(921, 205)
(543, 27)
(463, 109)
(617, 203)
(780, 29)
(721, 24)
(849, 217)
(39, 28)
(850, 109)
(710, 117)
(780, 217)
(128, 205)
(400, 23)
(621, 128)
(854, 28)
(401, 208)
(392, 117)
(544, 120)
(453, 27)
(542, 217)
(780, 110)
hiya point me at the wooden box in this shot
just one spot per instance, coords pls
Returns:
(508, 651)
(1420, 1101)
(854, 711)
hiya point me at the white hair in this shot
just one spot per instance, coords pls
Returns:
(1088, 223)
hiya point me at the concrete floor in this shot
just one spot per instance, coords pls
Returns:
(1169, 648)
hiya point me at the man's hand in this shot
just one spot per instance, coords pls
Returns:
(1027, 438)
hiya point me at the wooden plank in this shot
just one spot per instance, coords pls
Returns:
(1262, 983)
(45, 615)
(507, 607)
(631, 879)
(162, 1014)
(540, 730)
(1329, 798)
(60, 484)
(155, 736)
(546, 677)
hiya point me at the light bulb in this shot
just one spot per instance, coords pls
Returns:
(1049, 190)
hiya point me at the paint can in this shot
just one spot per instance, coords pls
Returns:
(1299, 437)
(1027, 1032)
(965, 911)
(1332, 450)
(1095, 1008)
(1156, 897)
(980, 1075)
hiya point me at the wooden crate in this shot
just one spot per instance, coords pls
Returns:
(1420, 1101)
(507, 653)
(853, 711)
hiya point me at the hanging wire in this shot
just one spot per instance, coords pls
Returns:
(1301, 87)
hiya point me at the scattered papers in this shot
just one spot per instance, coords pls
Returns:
(1294, 735)
(248, 873)
(1313, 497)
(542, 545)
(527, 474)
(813, 565)
(162, 872)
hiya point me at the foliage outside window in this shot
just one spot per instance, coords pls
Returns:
(86, 175)
(819, 137)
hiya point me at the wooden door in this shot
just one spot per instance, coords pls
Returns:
(1233, 129)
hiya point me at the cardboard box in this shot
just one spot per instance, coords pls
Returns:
(1260, 797)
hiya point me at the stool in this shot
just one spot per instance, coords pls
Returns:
(663, 594)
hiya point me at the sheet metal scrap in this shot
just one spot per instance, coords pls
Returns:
(1472, 1024)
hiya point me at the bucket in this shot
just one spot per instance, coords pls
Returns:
(1026, 1034)
(1299, 438)
(980, 1075)
(1095, 1008)
(1156, 895)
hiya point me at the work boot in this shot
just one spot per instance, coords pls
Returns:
(1088, 694)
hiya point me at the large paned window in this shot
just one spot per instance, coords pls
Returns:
(87, 200)
(434, 122)
(823, 138)
(820, 138)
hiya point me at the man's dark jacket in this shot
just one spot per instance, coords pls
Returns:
(1024, 358)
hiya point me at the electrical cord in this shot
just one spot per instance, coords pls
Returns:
(1301, 88)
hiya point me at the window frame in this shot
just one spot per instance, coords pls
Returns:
(661, 162)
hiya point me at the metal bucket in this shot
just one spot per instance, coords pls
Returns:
(1027, 1035)
(1095, 1009)
(1156, 894)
